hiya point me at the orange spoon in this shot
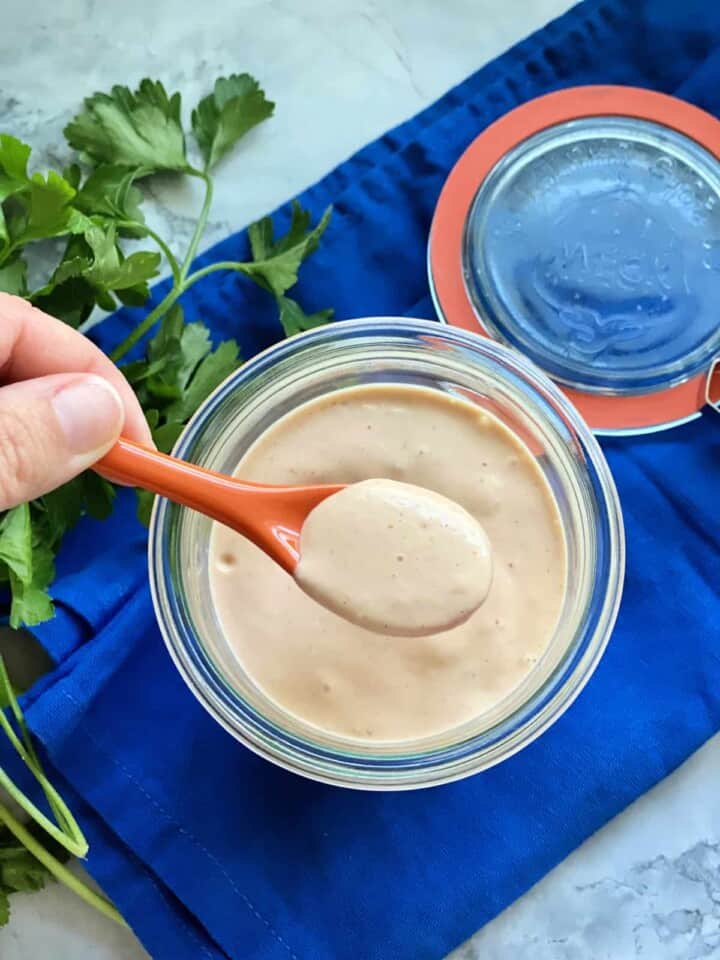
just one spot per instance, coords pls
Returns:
(271, 517)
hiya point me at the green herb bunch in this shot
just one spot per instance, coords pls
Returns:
(123, 138)
(95, 206)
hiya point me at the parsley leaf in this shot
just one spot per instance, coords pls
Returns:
(62, 509)
(183, 370)
(180, 370)
(13, 277)
(236, 105)
(4, 907)
(109, 192)
(71, 300)
(295, 320)
(21, 872)
(261, 234)
(140, 129)
(73, 175)
(59, 510)
(28, 560)
(14, 156)
(276, 263)
(16, 542)
(171, 357)
(36, 207)
(109, 269)
(49, 209)
(31, 603)
(99, 268)
(97, 495)
(210, 372)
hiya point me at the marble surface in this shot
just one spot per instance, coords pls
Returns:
(342, 71)
(646, 885)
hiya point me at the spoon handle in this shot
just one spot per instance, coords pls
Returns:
(179, 481)
(270, 516)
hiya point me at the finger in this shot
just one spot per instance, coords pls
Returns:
(34, 344)
(51, 429)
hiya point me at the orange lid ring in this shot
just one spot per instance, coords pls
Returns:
(639, 413)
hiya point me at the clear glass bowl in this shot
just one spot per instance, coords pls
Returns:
(395, 351)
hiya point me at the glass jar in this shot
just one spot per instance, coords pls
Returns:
(461, 364)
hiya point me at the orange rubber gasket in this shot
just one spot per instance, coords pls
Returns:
(445, 255)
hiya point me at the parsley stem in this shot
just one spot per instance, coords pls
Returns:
(32, 761)
(66, 832)
(239, 267)
(162, 308)
(57, 869)
(181, 280)
(169, 255)
(150, 320)
(201, 224)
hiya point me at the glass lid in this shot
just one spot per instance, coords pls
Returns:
(593, 246)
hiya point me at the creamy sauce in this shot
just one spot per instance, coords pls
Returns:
(346, 679)
(395, 558)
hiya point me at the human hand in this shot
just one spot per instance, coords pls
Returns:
(63, 403)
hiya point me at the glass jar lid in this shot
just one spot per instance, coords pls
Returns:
(594, 248)
(583, 229)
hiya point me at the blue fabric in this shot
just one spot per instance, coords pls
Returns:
(211, 852)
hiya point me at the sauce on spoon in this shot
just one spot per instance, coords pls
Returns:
(394, 558)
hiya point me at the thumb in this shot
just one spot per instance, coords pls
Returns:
(51, 429)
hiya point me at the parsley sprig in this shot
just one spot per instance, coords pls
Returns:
(94, 207)
(37, 848)
(123, 138)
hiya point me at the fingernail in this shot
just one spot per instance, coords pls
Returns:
(90, 413)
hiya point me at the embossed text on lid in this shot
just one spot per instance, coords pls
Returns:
(594, 247)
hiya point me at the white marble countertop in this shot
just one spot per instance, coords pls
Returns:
(343, 71)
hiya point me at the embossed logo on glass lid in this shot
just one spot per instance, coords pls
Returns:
(594, 247)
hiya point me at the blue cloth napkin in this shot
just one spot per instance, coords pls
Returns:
(211, 852)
